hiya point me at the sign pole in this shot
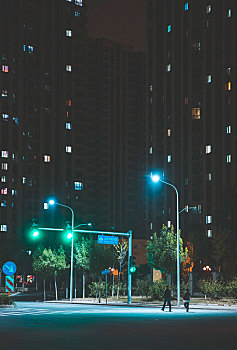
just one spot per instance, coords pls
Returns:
(106, 287)
(129, 273)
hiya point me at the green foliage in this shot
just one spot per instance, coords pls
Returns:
(142, 287)
(95, 287)
(156, 290)
(49, 262)
(213, 289)
(231, 288)
(162, 251)
(5, 300)
(120, 252)
(102, 257)
(83, 253)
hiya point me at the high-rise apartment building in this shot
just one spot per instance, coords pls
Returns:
(192, 113)
(72, 121)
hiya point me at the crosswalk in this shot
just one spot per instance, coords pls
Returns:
(34, 311)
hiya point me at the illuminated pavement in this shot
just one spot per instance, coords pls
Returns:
(64, 326)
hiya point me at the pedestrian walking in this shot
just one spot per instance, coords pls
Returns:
(167, 298)
(186, 299)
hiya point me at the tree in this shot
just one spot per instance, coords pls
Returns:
(162, 251)
(83, 253)
(48, 262)
(121, 251)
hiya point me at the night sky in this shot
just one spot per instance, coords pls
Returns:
(118, 20)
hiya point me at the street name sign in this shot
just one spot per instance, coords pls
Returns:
(107, 239)
(105, 272)
(9, 268)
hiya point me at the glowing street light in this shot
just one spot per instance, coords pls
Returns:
(156, 178)
(52, 202)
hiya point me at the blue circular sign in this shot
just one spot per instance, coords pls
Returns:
(9, 268)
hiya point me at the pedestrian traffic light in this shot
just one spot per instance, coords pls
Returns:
(35, 226)
(132, 268)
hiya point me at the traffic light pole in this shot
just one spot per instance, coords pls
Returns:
(129, 273)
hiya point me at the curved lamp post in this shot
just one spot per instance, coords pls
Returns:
(156, 178)
(52, 202)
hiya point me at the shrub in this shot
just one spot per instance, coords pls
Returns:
(143, 287)
(213, 289)
(95, 287)
(156, 290)
(231, 288)
(5, 300)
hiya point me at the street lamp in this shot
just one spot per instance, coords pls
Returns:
(156, 178)
(52, 202)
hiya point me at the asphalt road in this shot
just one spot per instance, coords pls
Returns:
(63, 326)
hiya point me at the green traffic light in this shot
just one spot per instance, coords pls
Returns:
(132, 269)
(69, 235)
(35, 233)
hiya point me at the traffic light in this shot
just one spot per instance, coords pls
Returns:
(68, 231)
(35, 226)
(132, 268)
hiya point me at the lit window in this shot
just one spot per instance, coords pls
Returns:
(151, 225)
(3, 203)
(208, 9)
(196, 113)
(228, 129)
(4, 154)
(209, 176)
(68, 68)
(169, 158)
(68, 103)
(4, 93)
(78, 185)
(186, 181)
(30, 49)
(77, 13)
(4, 166)
(68, 126)
(229, 85)
(168, 67)
(68, 32)
(208, 79)
(208, 149)
(228, 158)
(209, 233)
(208, 219)
(169, 132)
(78, 2)
(46, 158)
(5, 69)
(4, 228)
(150, 150)
(169, 28)
(69, 149)
(3, 179)
(169, 224)
(199, 208)
(186, 6)
(46, 205)
(229, 13)
(5, 117)
(69, 0)
(23, 179)
(13, 192)
(150, 87)
(228, 71)
(4, 190)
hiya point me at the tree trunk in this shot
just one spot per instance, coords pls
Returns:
(84, 284)
(119, 281)
(113, 284)
(50, 285)
(99, 289)
(56, 288)
(75, 282)
(36, 283)
(44, 289)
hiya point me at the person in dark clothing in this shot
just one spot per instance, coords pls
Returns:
(167, 298)
(186, 299)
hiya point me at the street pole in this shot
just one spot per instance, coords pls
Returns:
(129, 273)
(71, 275)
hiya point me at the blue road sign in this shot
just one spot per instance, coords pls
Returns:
(108, 239)
(9, 268)
(105, 272)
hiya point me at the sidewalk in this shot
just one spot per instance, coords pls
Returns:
(205, 306)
